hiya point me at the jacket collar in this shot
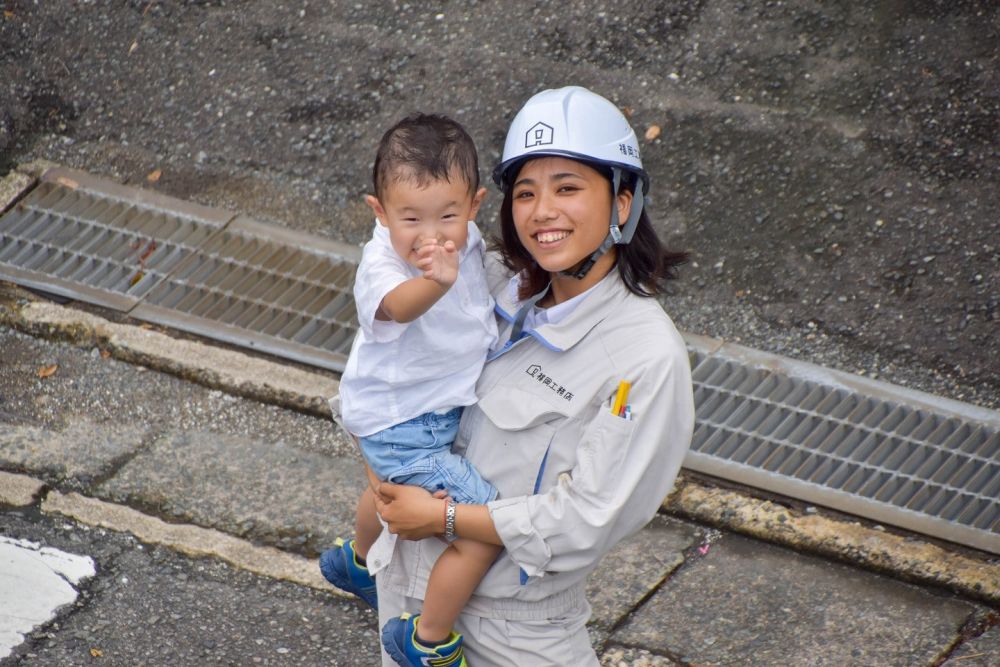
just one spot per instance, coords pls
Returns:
(566, 333)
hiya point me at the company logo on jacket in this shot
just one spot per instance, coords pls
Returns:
(535, 371)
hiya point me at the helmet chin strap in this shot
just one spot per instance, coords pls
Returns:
(616, 235)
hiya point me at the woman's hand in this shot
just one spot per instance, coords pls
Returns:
(411, 512)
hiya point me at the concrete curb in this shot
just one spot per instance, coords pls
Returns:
(902, 557)
(236, 373)
(216, 368)
(189, 540)
(18, 490)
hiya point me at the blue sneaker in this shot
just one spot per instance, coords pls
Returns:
(399, 637)
(341, 568)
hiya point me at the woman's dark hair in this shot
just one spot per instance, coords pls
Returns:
(644, 264)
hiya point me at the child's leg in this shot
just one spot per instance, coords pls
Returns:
(366, 524)
(453, 579)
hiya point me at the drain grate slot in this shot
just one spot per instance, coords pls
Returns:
(897, 456)
(283, 293)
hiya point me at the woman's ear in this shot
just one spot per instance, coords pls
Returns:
(624, 203)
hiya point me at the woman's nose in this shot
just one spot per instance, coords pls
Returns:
(544, 208)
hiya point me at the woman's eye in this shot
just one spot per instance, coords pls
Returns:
(524, 194)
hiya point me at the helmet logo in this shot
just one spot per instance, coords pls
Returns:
(538, 134)
(629, 150)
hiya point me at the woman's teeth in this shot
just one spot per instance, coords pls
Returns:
(551, 237)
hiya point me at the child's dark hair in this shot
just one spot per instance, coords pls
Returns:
(424, 148)
(644, 264)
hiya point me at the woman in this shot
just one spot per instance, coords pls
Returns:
(576, 321)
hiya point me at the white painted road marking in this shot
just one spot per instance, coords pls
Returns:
(34, 582)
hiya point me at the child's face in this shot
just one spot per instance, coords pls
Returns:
(414, 214)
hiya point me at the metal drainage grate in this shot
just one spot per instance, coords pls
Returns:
(869, 448)
(192, 267)
(96, 241)
(278, 291)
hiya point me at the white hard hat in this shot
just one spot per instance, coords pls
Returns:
(576, 123)
(571, 122)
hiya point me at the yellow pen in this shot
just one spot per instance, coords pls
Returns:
(620, 398)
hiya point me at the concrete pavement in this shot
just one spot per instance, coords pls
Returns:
(217, 479)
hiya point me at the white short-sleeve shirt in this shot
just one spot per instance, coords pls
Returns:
(397, 371)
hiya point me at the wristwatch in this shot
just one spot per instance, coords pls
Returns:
(449, 521)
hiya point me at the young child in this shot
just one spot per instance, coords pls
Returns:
(426, 324)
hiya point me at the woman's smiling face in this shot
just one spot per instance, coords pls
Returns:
(561, 209)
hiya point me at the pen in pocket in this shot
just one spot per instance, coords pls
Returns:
(621, 399)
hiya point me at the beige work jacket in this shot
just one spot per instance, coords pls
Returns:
(573, 478)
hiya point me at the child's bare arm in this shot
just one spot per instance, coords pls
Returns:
(414, 297)
(409, 300)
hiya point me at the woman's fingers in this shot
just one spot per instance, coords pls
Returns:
(388, 491)
(417, 514)
(373, 481)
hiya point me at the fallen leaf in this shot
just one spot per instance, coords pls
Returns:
(135, 45)
(652, 132)
(46, 371)
(136, 278)
(67, 182)
(154, 175)
(8, 14)
(147, 252)
(105, 354)
(96, 652)
(628, 111)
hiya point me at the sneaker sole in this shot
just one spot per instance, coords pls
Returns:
(394, 652)
(342, 580)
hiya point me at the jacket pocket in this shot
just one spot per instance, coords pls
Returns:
(508, 447)
(514, 409)
(602, 452)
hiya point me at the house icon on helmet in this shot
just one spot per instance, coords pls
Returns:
(538, 134)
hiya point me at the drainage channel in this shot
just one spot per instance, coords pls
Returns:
(869, 448)
(865, 447)
(198, 269)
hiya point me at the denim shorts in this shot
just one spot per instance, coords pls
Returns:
(418, 452)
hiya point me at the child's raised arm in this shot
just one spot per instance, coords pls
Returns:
(414, 297)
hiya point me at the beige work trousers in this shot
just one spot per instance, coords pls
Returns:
(495, 642)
